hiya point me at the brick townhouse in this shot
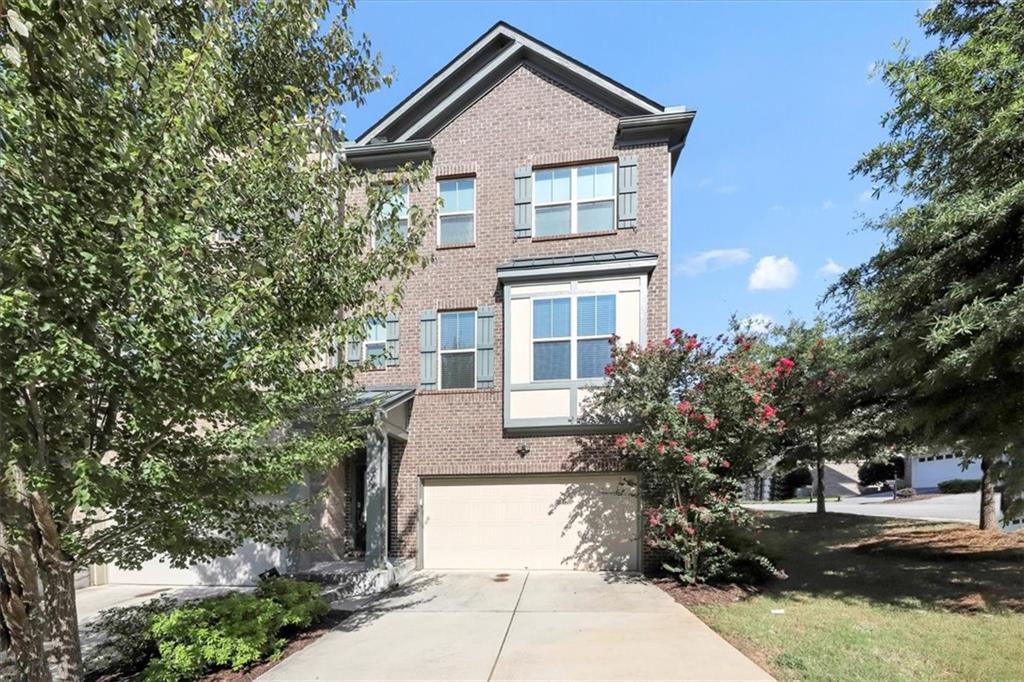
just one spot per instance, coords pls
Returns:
(553, 236)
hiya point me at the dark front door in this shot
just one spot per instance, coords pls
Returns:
(359, 501)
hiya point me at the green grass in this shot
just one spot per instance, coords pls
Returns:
(893, 614)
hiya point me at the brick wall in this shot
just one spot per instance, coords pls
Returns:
(525, 119)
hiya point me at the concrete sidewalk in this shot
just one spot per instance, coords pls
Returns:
(521, 626)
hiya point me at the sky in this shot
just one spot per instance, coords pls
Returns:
(764, 211)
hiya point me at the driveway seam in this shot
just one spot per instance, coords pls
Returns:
(494, 666)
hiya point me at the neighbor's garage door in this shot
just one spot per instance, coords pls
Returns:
(578, 522)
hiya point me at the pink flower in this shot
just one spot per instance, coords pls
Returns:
(713, 423)
(769, 412)
(688, 459)
(683, 407)
(703, 462)
(692, 343)
(726, 464)
(620, 441)
(690, 530)
(784, 366)
(609, 370)
(667, 342)
(661, 448)
(639, 442)
(676, 332)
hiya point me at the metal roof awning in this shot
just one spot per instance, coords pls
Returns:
(384, 397)
(540, 267)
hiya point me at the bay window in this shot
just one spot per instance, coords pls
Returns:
(562, 350)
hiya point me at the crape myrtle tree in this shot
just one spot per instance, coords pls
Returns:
(937, 315)
(818, 400)
(699, 417)
(176, 263)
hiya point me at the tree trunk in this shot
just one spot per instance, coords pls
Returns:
(989, 515)
(820, 485)
(21, 609)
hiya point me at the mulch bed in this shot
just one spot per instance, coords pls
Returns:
(704, 595)
(299, 642)
(960, 543)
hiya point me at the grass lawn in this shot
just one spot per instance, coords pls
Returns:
(883, 599)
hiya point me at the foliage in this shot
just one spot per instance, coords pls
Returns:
(784, 485)
(960, 485)
(881, 470)
(937, 315)
(232, 631)
(124, 645)
(699, 414)
(176, 248)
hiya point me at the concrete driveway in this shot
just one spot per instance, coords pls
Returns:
(521, 626)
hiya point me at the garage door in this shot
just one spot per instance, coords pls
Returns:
(577, 522)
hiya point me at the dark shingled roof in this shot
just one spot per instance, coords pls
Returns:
(576, 259)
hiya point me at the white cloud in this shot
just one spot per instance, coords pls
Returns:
(865, 196)
(826, 205)
(830, 268)
(778, 207)
(704, 182)
(758, 323)
(715, 259)
(773, 272)
(725, 189)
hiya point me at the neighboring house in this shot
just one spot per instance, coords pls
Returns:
(927, 471)
(553, 237)
(840, 479)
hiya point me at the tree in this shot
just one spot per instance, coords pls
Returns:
(815, 396)
(937, 315)
(176, 264)
(699, 415)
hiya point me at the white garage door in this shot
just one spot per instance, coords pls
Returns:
(576, 522)
(241, 568)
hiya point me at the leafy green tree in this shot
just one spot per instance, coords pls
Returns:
(699, 416)
(175, 249)
(938, 313)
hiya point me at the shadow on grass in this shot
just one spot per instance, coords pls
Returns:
(893, 562)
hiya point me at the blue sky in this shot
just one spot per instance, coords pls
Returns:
(762, 198)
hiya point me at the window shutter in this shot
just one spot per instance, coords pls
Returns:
(353, 351)
(392, 342)
(627, 192)
(428, 349)
(485, 346)
(524, 201)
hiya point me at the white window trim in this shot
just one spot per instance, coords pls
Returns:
(367, 342)
(573, 337)
(442, 213)
(441, 351)
(403, 215)
(574, 201)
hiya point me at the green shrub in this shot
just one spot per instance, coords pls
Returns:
(882, 471)
(231, 631)
(125, 644)
(960, 485)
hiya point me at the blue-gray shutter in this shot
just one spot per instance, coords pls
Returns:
(485, 346)
(354, 351)
(392, 343)
(524, 201)
(428, 349)
(627, 192)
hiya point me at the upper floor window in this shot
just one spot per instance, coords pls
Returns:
(458, 349)
(375, 344)
(399, 204)
(576, 200)
(562, 350)
(458, 208)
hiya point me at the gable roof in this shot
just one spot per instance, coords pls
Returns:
(480, 66)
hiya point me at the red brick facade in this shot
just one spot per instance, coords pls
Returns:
(525, 119)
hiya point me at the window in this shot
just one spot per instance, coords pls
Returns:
(400, 206)
(552, 345)
(458, 349)
(574, 200)
(375, 344)
(559, 347)
(456, 214)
